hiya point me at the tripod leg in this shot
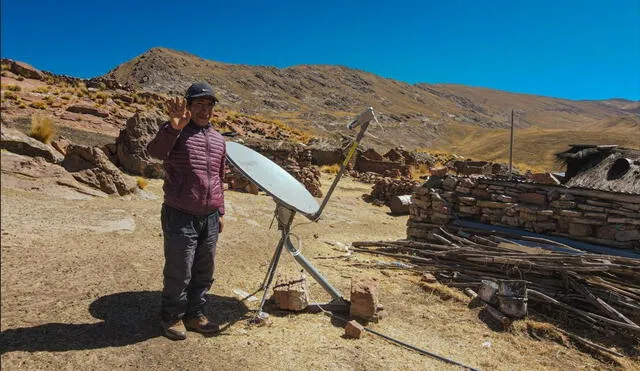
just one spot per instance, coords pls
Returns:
(270, 274)
(273, 264)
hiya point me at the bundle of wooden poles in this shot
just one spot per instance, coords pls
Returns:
(601, 290)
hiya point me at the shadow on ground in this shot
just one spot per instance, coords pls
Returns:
(127, 318)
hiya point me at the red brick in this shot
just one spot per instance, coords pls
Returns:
(364, 297)
(354, 330)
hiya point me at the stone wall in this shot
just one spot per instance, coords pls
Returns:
(365, 165)
(385, 189)
(293, 158)
(601, 217)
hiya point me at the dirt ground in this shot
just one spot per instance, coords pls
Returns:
(81, 281)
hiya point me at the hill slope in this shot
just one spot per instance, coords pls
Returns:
(321, 99)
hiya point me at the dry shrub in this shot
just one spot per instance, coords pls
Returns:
(300, 134)
(540, 330)
(13, 87)
(445, 292)
(42, 129)
(100, 97)
(10, 95)
(142, 182)
(330, 169)
(419, 170)
(42, 89)
(38, 104)
(543, 330)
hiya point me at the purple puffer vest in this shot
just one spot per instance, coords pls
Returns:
(194, 167)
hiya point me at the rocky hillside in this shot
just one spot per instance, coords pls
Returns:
(303, 102)
(321, 98)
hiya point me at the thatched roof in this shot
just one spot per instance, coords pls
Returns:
(608, 168)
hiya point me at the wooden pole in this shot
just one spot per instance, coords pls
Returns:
(511, 149)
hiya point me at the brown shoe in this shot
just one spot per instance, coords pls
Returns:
(201, 324)
(174, 330)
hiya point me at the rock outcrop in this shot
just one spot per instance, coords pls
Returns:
(90, 165)
(88, 110)
(25, 70)
(18, 142)
(131, 145)
(386, 188)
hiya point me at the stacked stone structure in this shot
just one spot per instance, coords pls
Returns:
(595, 216)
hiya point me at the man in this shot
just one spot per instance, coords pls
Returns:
(192, 212)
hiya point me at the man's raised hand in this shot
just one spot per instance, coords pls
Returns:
(179, 115)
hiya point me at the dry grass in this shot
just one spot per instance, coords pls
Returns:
(42, 89)
(296, 133)
(108, 321)
(100, 97)
(330, 169)
(42, 129)
(10, 95)
(38, 104)
(546, 331)
(534, 148)
(419, 171)
(445, 292)
(142, 182)
(13, 87)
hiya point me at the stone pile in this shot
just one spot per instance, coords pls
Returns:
(366, 177)
(601, 217)
(386, 188)
(299, 165)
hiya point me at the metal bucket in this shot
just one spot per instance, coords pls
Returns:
(512, 288)
(487, 292)
(515, 307)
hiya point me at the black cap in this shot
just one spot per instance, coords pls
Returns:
(200, 89)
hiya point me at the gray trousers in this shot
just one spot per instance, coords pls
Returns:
(189, 258)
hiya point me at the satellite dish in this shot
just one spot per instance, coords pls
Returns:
(291, 197)
(273, 179)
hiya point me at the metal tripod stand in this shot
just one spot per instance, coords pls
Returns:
(285, 217)
(285, 214)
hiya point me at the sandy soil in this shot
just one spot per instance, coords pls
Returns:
(81, 281)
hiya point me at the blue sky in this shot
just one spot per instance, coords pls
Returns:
(570, 49)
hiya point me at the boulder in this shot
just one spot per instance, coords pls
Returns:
(400, 204)
(371, 154)
(131, 146)
(87, 110)
(26, 70)
(17, 142)
(438, 171)
(61, 143)
(91, 166)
